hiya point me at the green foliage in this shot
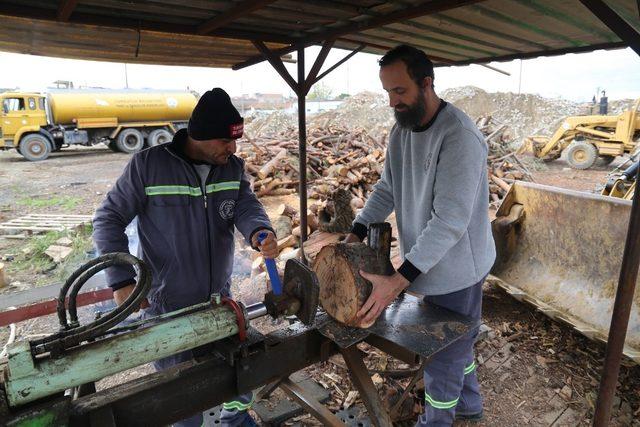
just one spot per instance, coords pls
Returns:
(68, 203)
(33, 259)
(319, 91)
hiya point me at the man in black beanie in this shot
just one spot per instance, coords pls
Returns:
(188, 196)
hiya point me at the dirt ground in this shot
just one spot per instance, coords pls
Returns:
(532, 370)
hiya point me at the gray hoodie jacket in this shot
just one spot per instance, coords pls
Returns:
(436, 180)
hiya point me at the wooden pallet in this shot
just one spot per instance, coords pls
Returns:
(42, 223)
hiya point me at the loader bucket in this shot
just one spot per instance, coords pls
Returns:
(533, 144)
(561, 250)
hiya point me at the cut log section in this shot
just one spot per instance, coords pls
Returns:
(296, 231)
(287, 210)
(287, 242)
(282, 226)
(342, 290)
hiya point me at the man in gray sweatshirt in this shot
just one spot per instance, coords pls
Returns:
(435, 178)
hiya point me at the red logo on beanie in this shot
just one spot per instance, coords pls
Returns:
(236, 130)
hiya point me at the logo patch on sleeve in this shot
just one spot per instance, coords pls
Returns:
(227, 209)
(236, 130)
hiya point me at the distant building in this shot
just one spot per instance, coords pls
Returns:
(318, 106)
(262, 101)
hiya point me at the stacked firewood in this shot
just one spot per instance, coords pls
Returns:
(504, 166)
(336, 157)
(352, 158)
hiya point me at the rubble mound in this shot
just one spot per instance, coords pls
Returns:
(270, 125)
(526, 114)
(365, 110)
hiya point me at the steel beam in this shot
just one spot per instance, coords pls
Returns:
(276, 63)
(176, 393)
(395, 410)
(429, 8)
(615, 22)
(315, 408)
(239, 10)
(536, 54)
(368, 392)
(317, 65)
(393, 349)
(620, 315)
(630, 257)
(302, 149)
(138, 25)
(339, 63)
(65, 9)
(43, 308)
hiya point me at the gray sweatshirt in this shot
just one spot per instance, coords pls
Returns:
(436, 180)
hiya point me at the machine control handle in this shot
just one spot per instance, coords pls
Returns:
(272, 270)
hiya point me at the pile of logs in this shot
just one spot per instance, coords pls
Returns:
(336, 157)
(352, 158)
(504, 166)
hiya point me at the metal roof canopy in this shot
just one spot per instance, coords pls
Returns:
(220, 33)
(217, 33)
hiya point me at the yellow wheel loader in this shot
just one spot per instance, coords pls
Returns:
(561, 250)
(584, 139)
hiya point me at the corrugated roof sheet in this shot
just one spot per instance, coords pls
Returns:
(216, 33)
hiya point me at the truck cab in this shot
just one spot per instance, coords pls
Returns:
(21, 112)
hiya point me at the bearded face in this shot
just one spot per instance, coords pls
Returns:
(410, 116)
(406, 97)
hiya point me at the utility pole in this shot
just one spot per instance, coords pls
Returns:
(520, 79)
(126, 76)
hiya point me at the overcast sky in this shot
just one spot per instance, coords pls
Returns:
(575, 76)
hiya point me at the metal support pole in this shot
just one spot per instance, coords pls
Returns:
(631, 256)
(620, 315)
(368, 392)
(315, 408)
(302, 148)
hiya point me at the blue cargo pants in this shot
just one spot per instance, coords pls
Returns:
(450, 380)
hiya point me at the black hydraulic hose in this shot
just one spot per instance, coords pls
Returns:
(79, 278)
(631, 171)
(73, 295)
(71, 336)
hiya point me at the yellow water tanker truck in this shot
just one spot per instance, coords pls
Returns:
(36, 124)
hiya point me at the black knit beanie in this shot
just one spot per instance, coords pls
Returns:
(215, 117)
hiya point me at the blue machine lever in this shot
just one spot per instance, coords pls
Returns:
(271, 268)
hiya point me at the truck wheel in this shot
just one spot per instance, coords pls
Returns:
(159, 136)
(581, 155)
(35, 147)
(130, 141)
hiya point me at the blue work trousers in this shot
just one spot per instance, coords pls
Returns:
(450, 380)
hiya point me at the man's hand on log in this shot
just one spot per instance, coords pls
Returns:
(385, 290)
